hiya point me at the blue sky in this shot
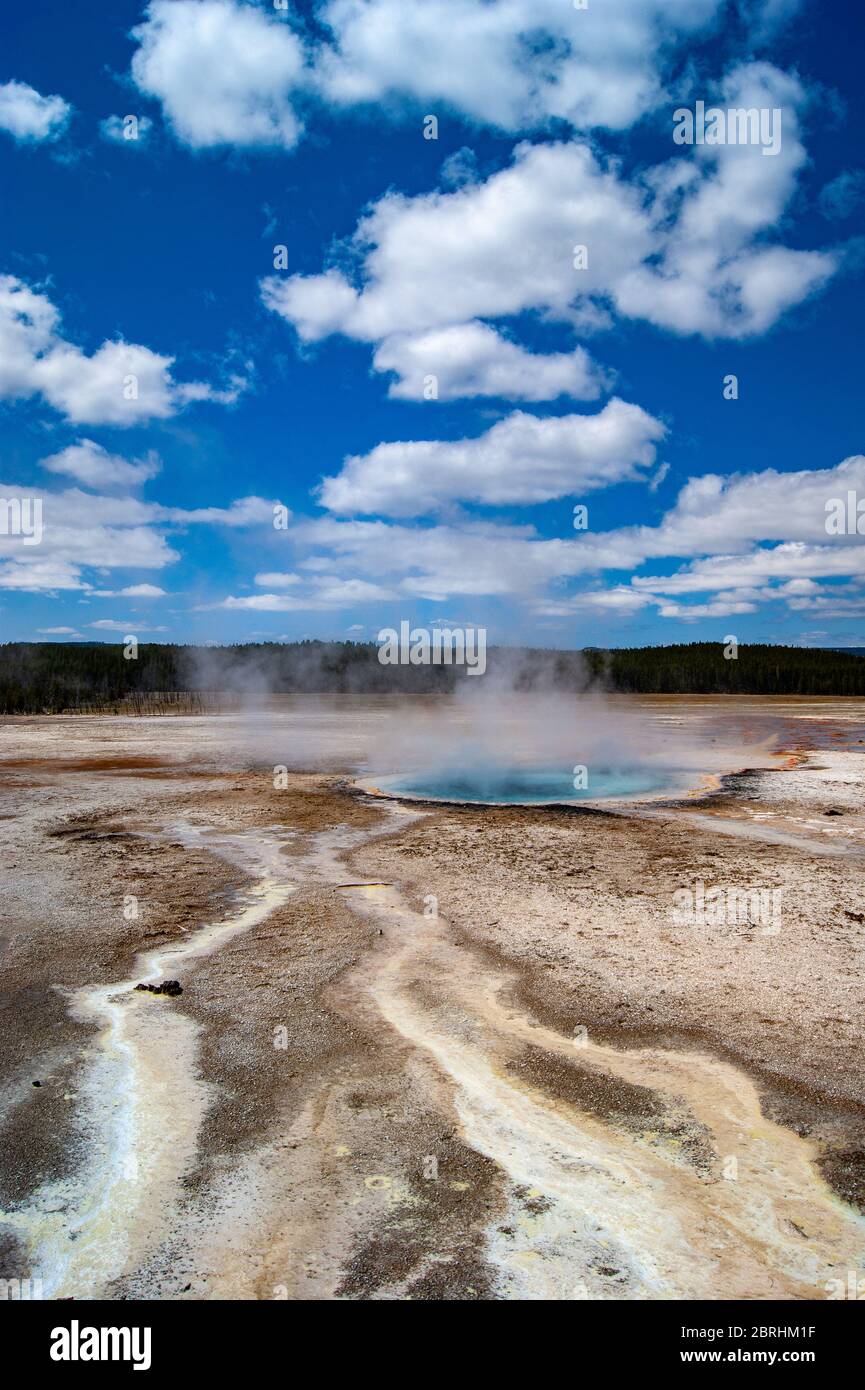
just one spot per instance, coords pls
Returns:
(439, 268)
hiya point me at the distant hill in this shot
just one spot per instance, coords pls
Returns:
(48, 677)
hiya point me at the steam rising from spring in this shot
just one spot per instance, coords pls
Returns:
(529, 711)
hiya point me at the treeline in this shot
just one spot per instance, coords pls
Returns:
(700, 668)
(48, 677)
(51, 677)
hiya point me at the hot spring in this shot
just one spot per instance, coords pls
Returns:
(539, 749)
(509, 786)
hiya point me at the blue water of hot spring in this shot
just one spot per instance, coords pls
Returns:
(514, 786)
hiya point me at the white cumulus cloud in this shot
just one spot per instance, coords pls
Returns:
(521, 460)
(562, 233)
(26, 115)
(225, 72)
(472, 359)
(92, 465)
(230, 72)
(119, 384)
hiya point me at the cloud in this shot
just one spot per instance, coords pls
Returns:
(133, 132)
(617, 599)
(131, 591)
(119, 384)
(760, 537)
(472, 359)
(244, 511)
(522, 460)
(119, 625)
(317, 305)
(34, 574)
(460, 168)
(483, 251)
(84, 531)
(765, 17)
(81, 530)
(730, 513)
(755, 538)
(845, 193)
(514, 64)
(475, 558)
(685, 247)
(277, 580)
(834, 602)
(225, 73)
(718, 608)
(29, 117)
(323, 592)
(58, 631)
(231, 74)
(792, 562)
(716, 275)
(658, 477)
(93, 466)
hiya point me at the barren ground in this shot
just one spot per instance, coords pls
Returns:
(427, 1051)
